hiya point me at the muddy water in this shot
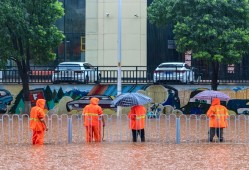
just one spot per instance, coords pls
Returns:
(122, 154)
(125, 156)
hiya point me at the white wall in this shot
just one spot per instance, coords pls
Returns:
(102, 32)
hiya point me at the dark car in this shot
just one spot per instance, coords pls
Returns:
(104, 102)
(5, 99)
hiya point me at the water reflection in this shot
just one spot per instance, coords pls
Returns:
(37, 156)
(125, 155)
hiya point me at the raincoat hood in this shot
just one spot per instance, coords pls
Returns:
(41, 103)
(215, 101)
(94, 101)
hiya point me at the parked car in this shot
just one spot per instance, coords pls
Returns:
(5, 99)
(104, 102)
(174, 71)
(79, 72)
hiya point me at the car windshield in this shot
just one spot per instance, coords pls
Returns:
(170, 65)
(68, 67)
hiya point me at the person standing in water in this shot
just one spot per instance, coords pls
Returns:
(218, 115)
(137, 116)
(37, 122)
(92, 121)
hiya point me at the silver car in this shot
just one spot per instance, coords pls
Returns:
(174, 71)
(79, 72)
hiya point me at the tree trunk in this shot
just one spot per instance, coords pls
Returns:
(23, 73)
(25, 86)
(215, 67)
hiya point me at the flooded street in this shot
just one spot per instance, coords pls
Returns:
(125, 156)
(160, 150)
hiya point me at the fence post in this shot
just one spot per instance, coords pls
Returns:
(70, 130)
(178, 132)
(136, 74)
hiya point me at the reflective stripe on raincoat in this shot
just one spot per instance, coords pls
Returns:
(217, 114)
(92, 112)
(36, 114)
(137, 116)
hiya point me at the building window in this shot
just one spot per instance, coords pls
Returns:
(82, 43)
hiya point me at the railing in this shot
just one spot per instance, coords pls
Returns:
(129, 74)
(172, 128)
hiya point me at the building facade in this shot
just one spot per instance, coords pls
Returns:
(102, 32)
(73, 27)
(91, 30)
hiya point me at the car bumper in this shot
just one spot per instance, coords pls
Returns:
(67, 79)
(158, 77)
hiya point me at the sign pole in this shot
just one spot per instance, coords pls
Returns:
(119, 85)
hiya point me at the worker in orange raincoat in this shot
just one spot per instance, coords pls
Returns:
(137, 116)
(218, 115)
(37, 122)
(92, 119)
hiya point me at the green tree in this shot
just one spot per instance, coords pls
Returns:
(17, 101)
(60, 94)
(54, 94)
(215, 30)
(48, 93)
(28, 34)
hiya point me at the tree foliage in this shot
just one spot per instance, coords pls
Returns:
(60, 94)
(28, 34)
(216, 30)
(48, 93)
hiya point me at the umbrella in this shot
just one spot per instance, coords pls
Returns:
(131, 99)
(210, 94)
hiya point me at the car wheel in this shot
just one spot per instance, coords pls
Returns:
(86, 81)
(99, 79)
(55, 82)
(156, 82)
(187, 79)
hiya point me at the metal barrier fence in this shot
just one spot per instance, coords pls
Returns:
(129, 74)
(64, 129)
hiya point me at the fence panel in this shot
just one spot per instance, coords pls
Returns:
(130, 74)
(170, 128)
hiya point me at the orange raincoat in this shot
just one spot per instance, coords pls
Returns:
(137, 116)
(218, 114)
(92, 122)
(37, 115)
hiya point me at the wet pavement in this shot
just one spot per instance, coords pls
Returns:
(125, 155)
(158, 152)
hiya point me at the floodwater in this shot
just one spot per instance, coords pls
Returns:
(126, 155)
(158, 152)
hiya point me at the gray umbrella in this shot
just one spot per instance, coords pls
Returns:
(131, 99)
(210, 94)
